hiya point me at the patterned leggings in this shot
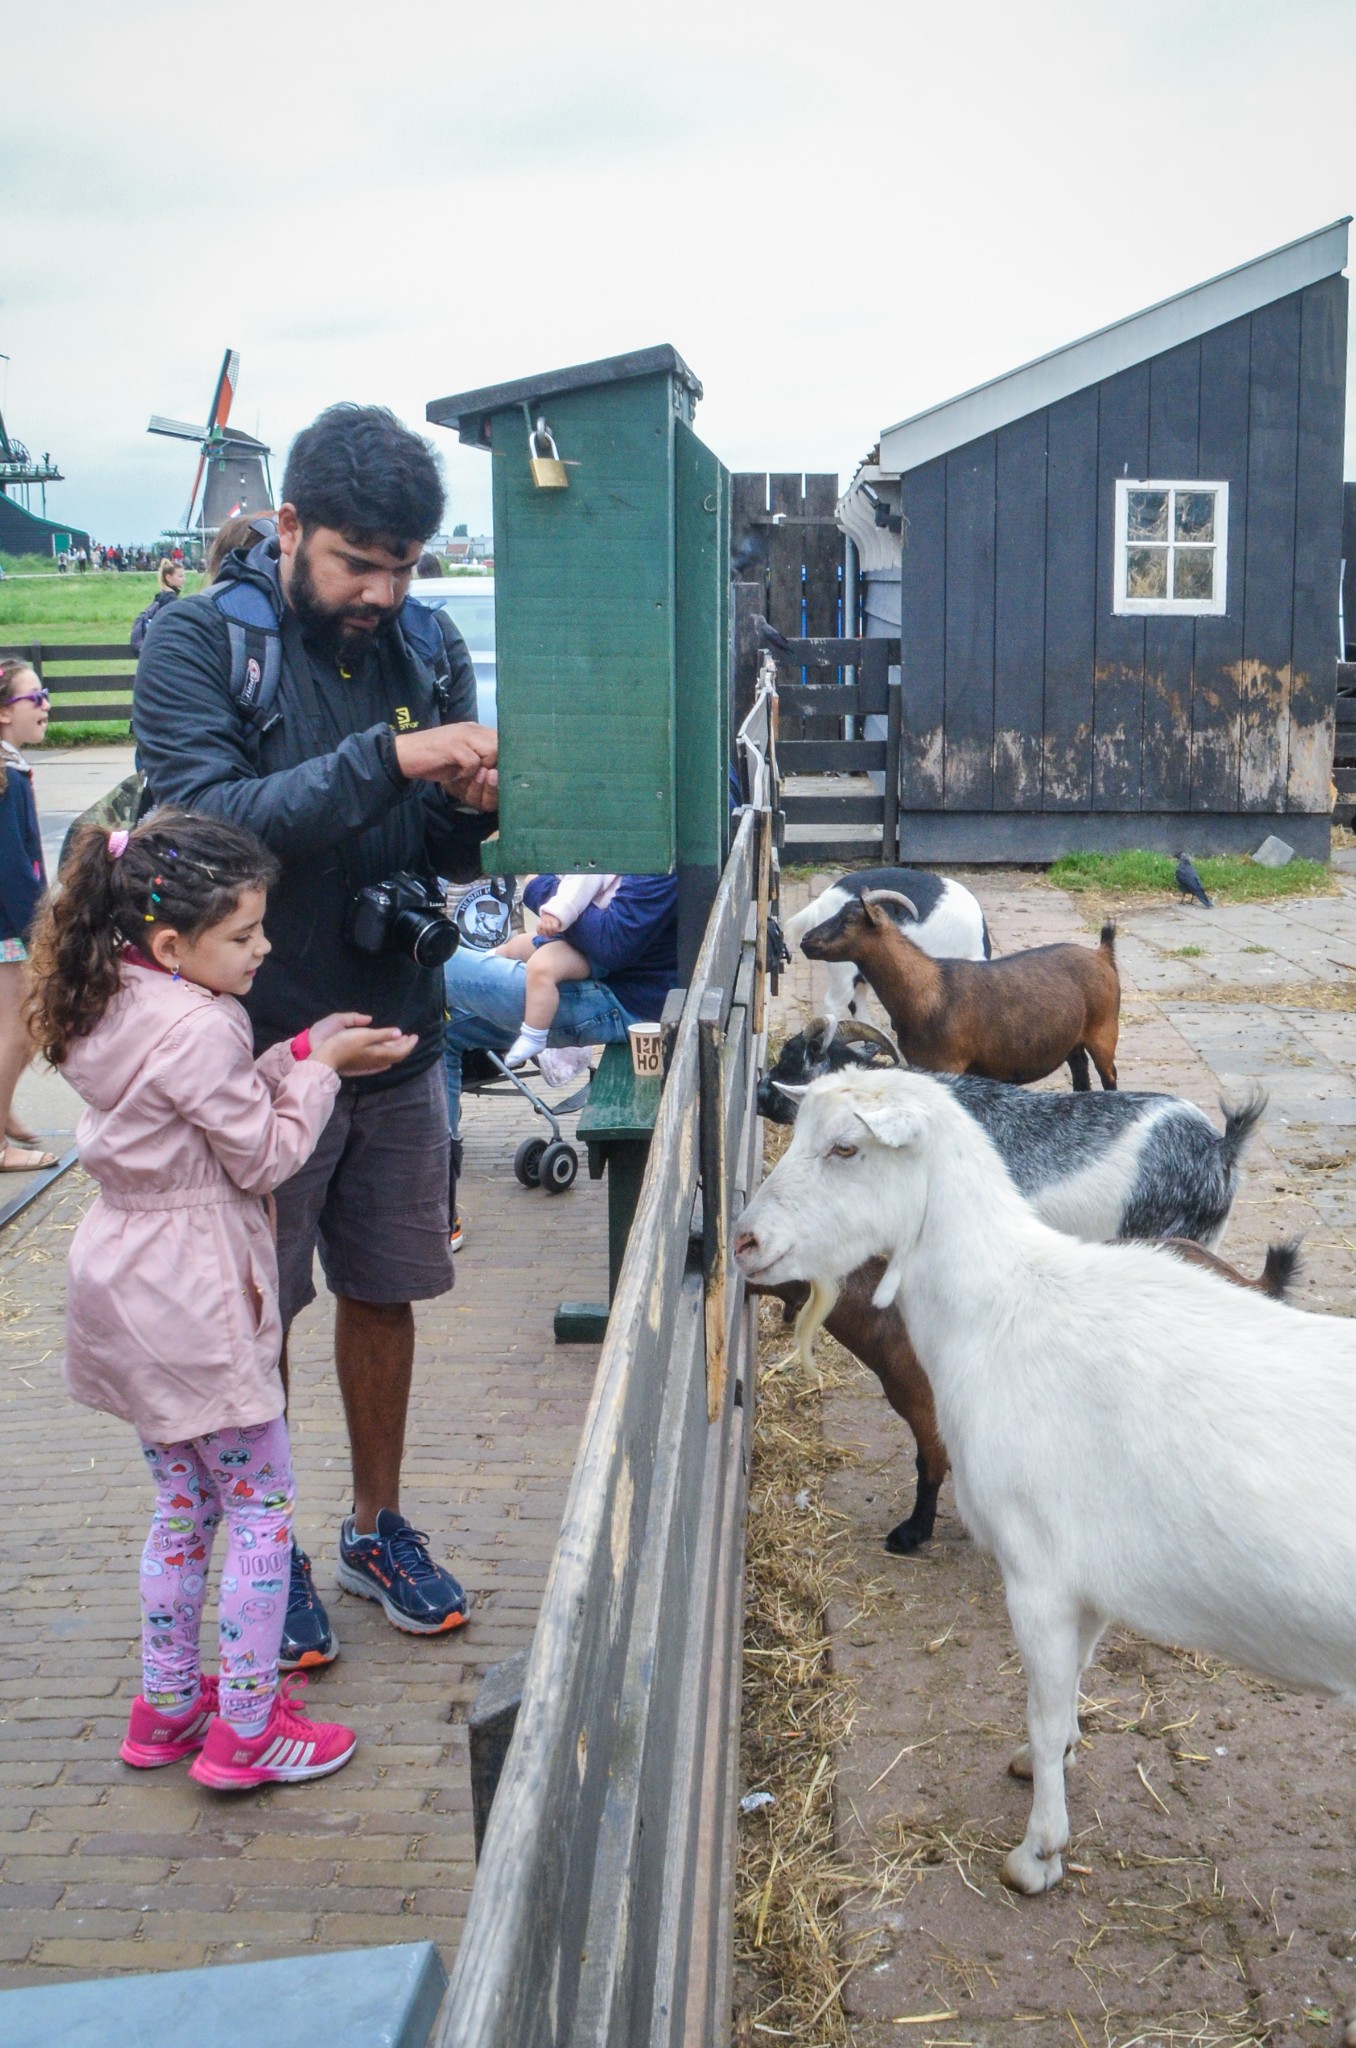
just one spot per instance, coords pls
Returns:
(245, 1475)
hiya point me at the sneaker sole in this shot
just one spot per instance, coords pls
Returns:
(354, 1582)
(143, 1756)
(310, 1659)
(248, 1781)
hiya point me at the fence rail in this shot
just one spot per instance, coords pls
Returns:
(71, 701)
(601, 1912)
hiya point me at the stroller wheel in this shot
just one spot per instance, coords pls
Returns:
(527, 1162)
(557, 1167)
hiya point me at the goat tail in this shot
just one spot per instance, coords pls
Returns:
(812, 1318)
(1108, 936)
(1280, 1270)
(1240, 1121)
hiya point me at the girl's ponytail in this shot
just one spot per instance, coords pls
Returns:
(176, 869)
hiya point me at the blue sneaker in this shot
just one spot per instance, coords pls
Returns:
(307, 1637)
(394, 1568)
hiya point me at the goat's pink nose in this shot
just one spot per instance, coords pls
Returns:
(745, 1241)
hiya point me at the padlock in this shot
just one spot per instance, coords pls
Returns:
(548, 471)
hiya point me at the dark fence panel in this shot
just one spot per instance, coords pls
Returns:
(71, 699)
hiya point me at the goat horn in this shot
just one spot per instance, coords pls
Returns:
(869, 1034)
(890, 896)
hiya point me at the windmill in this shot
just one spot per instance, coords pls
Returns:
(236, 464)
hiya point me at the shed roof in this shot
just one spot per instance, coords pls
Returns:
(1111, 349)
(469, 411)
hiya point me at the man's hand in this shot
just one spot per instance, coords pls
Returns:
(460, 758)
(351, 1050)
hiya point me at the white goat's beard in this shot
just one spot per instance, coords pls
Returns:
(812, 1318)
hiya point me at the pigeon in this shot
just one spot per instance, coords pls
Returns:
(1189, 882)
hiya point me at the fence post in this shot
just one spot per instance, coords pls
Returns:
(715, 1196)
(894, 715)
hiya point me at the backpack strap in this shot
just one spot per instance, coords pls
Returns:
(256, 648)
(423, 637)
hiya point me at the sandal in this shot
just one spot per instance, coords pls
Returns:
(24, 1159)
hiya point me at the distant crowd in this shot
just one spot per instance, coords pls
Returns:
(100, 556)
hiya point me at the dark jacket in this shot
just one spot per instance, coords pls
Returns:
(632, 945)
(141, 624)
(321, 787)
(23, 877)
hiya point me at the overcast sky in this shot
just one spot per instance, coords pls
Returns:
(837, 215)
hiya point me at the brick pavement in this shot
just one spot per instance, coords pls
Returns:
(107, 1869)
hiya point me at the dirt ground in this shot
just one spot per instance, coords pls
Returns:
(1211, 1894)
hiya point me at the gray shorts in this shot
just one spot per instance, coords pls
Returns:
(373, 1197)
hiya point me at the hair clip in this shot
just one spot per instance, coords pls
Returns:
(117, 844)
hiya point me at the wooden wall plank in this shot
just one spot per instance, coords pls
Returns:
(1269, 562)
(1019, 613)
(1118, 690)
(822, 553)
(1169, 644)
(1318, 543)
(923, 637)
(969, 626)
(1222, 455)
(784, 555)
(1070, 582)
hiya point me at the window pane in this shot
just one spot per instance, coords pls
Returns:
(1195, 516)
(1146, 571)
(1146, 515)
(1193, 572)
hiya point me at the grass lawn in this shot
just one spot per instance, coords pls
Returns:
(1231, 878)
(72, 611)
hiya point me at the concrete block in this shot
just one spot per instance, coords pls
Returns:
(1273, 852)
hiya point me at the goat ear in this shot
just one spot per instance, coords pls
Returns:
(892, 1122)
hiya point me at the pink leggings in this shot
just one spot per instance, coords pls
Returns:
(245, 1475)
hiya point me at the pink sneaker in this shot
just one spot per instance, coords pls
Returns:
(154, 1738)
(291, 1747)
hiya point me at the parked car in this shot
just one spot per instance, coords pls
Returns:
(470, 600)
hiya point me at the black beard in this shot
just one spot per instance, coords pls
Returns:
(347, 645)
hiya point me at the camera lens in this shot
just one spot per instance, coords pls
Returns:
(429, 941)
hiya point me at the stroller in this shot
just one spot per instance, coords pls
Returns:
(483, 914)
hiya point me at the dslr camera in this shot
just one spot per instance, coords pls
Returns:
(403, 914)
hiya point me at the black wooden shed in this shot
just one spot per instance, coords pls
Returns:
(1119, 570)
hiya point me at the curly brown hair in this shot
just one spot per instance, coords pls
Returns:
(177, 869)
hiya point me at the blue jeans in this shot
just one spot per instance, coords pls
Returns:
(485, 1008)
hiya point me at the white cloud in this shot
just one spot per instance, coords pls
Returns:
(836, 218)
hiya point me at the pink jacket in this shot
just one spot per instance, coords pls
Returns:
(172, 1310)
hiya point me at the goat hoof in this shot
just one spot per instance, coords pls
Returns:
(1019, 1763)
(903, 1540)
(1025, 1870)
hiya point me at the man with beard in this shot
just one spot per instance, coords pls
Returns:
(303, 697)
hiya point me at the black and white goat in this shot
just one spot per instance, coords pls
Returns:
(1121, 1425)
(1101, 1167)
(939, 915)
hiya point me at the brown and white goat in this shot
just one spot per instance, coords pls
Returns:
(1013, 1019)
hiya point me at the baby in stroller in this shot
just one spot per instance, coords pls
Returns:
(550, 958)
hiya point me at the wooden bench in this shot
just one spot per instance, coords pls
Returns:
(616, 1127)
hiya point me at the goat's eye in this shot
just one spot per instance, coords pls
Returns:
(842, 1151)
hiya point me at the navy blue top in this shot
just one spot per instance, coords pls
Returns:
(23, 877)
(632, 946)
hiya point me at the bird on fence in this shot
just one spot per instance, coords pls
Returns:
(1189, 883)
(768, 636)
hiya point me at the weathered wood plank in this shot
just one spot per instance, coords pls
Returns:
(816, 757)
(1223, 458)
(931, 837)
(1269, 562)
(844, 810)
(1318, 525)
(1019, 613)
(1070, 574)
(969, 716)
(1118, 687)
(923, 637)
(715, 1222)
(1169, 644)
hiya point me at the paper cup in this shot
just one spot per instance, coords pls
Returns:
(647, 1051)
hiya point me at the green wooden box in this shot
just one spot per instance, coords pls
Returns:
(611, 621)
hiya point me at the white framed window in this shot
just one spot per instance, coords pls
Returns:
(1171, 546)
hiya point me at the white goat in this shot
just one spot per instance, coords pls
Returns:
(1120, 1425)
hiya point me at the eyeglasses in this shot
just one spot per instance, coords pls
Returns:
(29, 697)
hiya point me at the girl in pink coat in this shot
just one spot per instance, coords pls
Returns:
(172, 1313)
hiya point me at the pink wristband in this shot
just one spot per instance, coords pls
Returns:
(301, 1045)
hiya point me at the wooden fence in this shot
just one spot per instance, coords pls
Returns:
(786, 560)
(601, 1912)
(72, 701)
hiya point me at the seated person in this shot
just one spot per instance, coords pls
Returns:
(630, 948)
(550, 960)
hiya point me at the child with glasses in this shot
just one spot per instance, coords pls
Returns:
(23, 879)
